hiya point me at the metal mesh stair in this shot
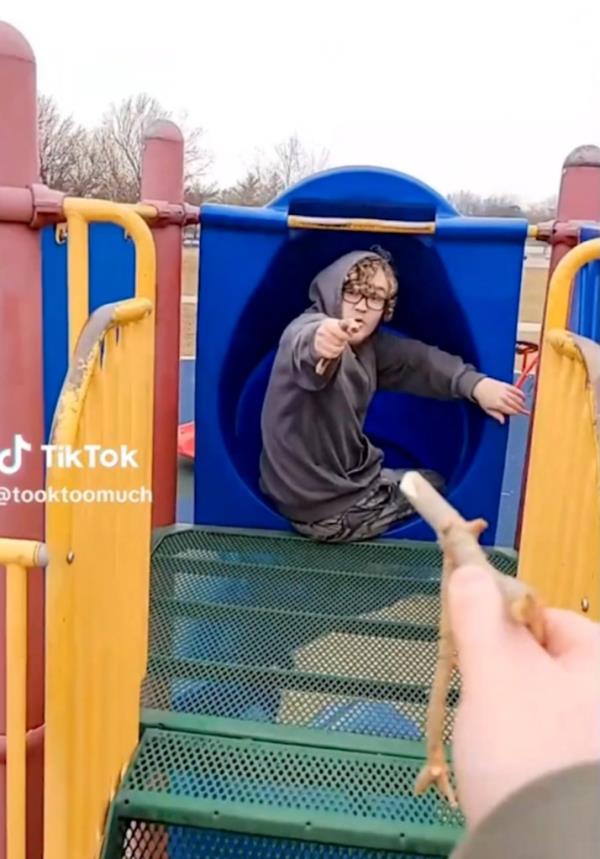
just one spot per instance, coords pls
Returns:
(285, 701)
(190, 785)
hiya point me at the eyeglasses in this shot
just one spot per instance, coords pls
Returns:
(374, 299)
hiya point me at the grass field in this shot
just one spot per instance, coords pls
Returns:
(532, 300)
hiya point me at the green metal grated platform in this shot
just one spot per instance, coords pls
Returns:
(285, 701)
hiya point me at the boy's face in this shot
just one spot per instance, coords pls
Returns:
(366, 304)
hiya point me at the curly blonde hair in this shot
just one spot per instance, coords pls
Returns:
(363, 272)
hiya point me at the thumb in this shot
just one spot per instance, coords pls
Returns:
(479, 623)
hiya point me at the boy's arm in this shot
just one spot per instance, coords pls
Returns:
(299, 342)
(413, 367)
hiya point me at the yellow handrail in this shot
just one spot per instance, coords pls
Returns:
(70, 404)
(79, 214)
(145, 210)
(559, 554)
(560, 546)
(97, 589)
(25, 553)
(560, 289)
(17, 556)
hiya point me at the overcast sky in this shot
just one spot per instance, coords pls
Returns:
(461, 93)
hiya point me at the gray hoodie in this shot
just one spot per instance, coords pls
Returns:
(316, 460)
(553, 817)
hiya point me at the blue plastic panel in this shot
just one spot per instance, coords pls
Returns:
(185, 842)
(585, 307)
(459, 290)
(112, 267)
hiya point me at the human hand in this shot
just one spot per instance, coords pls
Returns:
(525, 710)
(498, 399)
(332, 336)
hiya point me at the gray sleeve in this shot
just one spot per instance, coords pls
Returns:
(299, 341)
(555, 817)
(413, 367)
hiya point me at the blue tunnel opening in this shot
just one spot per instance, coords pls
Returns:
(405, 427)
(459, 286)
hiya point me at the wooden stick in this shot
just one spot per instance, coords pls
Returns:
(459, 542)
(522, 603)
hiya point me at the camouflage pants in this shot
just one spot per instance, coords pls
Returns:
(370, 517)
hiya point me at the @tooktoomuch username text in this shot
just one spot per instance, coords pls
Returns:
(63, 495)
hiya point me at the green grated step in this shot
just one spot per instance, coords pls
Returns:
(188, 796)
(280, 630)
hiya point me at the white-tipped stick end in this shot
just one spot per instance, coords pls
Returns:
(408, 485)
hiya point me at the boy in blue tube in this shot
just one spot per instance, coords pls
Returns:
(317, 466)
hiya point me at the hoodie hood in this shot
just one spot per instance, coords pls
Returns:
(326, 289)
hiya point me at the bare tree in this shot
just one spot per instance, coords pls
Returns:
(268, 177)
(466, 202)
(119, 146)
(293, 161)
(201, 191)
(65, 160)
(253, 189)
(544, 210)
(469, 203)
(503, 205)
(106, 162)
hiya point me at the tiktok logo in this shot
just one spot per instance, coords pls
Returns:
(16, 453)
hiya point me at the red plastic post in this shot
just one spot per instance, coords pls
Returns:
(21, 400)
(162, 181)
(578, 200)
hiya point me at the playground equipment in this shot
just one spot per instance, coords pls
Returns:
(212, 690)
(443, 260)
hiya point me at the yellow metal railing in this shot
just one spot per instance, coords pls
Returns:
(560, 290)
(79, 214)
(97, 554)
(17, 556)
(560, 539)
(98, 532)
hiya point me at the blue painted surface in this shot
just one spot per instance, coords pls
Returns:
(54, 320)
(585, 308)
(111, 279)
(513, 473)
(458, 290)
(375, 718)
(187, 370)
(185, 841)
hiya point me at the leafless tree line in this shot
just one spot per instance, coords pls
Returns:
(503, 206)
(105, 162)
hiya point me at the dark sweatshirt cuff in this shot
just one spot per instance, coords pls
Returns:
(554, 817)
(467, 383)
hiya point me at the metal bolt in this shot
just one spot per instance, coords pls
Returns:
(585, 604)
(60, 234)
(70, 557)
